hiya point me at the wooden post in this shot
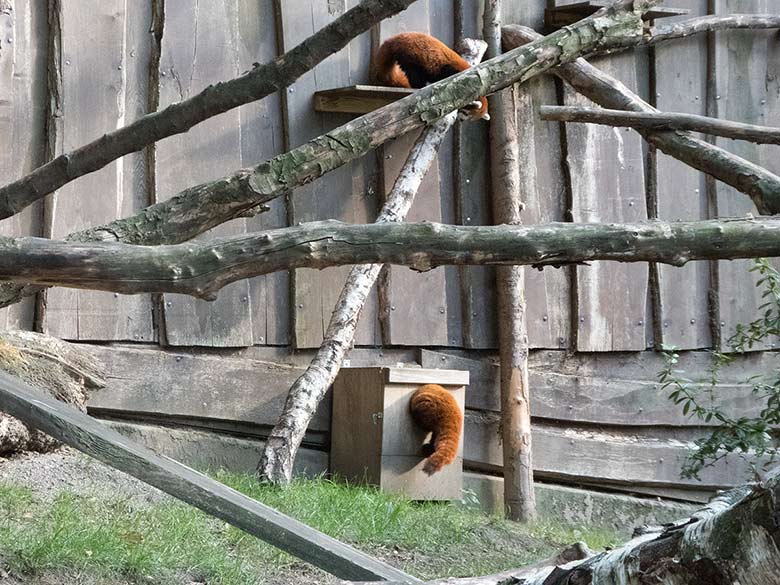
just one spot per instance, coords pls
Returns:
(78, 430)
(519, 501)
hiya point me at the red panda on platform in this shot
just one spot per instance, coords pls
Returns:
(435, 410)
(415, 59)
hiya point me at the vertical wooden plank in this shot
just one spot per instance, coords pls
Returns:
(336, 195)
(22, 118)
(201, 46)
(472, 195)
(607, 182)
(417, 302)
(547, 291)
(681, 86)
(747, 89)
(262, 138)
(105, 52)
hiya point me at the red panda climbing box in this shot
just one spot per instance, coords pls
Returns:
(374, 438)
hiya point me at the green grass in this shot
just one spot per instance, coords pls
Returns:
(112, 537)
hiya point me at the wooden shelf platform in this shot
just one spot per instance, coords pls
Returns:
(559, 16)
(357, 99)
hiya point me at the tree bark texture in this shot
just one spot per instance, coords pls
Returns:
(177, 118)
(519, 500)
(200, 269)
(202, 207)
(732, 540)
(663, 121)
(762, 186)
(309, 389)
(704, 24)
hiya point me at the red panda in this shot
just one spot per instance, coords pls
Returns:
(435, 410)
(415, 59)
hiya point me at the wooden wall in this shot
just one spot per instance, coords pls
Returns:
(69, 73)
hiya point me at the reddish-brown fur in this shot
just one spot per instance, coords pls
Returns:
(415, 60)
(435, 410)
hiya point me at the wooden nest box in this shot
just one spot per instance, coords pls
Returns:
(374, 439)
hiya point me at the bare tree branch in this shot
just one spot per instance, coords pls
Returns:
(762, 186)
(202, 207)
(663, 121)
(200, 269)
(309, 389)
(712, 23)
(177, 118)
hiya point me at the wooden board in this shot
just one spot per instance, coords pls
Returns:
(547, 291)
(681, 86)
(357, 99)
(418, 303)
(607, 181)
(571, 454)
(22, 118)
(473, 206)
(343, 193)
(262, 137)
(607, 389)
(78, 430)
(201, 386)
(104, 86)
(747, 89)
(201, 46)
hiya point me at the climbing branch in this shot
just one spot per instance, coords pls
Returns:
(202, 207)
(712, 23)
(662, 121)
(762, 186)
(200, 268)
(177, 118)
(309, 389)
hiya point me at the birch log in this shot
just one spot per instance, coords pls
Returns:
(202, 207)
(201, 269)
(506, 175)
(762, 186)
(309, 389)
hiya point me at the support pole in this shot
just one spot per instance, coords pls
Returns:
(519, 501)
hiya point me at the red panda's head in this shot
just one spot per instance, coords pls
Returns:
(476, 110)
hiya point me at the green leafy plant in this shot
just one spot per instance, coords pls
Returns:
(750, 437)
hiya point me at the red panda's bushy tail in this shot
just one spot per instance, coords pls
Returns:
(434, 409)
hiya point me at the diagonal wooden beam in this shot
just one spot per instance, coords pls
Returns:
(86, 434)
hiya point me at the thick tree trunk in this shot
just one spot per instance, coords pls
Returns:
(202, 207)
(735, 539)
(308, 390)
(519, 500)
(762, 186)
(200, 269)
(663, 121)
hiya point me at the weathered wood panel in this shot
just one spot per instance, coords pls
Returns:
(22, 119)
(262, 137)
(104, 63)
(473, 207)
(681, 86)
(604, 458)
(608, 389)
(607, 182)
(202, 386)
(547, 292)
(342, 194)
(417, 307)
(747, 89)
(201, 46)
